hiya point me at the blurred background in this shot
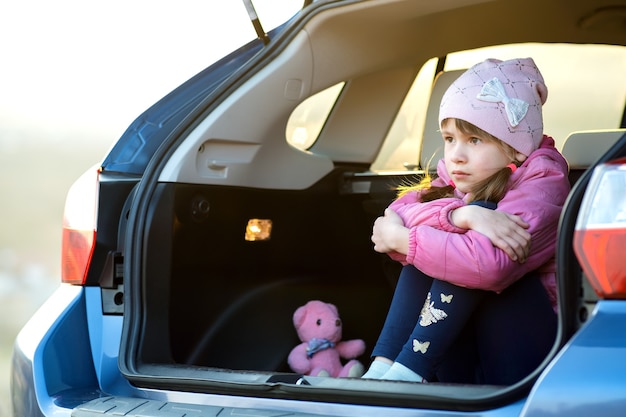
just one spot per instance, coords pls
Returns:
(73, 76)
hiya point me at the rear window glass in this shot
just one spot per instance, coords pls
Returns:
(586, 91)
(306, 121)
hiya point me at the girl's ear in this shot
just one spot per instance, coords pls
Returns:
(520, 157)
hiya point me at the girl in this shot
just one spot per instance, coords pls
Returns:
(478, 242)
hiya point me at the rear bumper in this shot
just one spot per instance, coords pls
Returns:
(588, 376)
(52, 368)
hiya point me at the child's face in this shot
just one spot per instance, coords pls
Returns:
(471, 158)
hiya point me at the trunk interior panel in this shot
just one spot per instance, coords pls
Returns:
(216, 300)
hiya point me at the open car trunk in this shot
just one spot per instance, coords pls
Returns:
(217, 309)
(226, 302)
(207, 310)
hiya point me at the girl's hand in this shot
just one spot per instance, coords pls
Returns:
(389, 234)
(506, 231)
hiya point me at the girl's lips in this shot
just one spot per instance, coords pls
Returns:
(459, 174)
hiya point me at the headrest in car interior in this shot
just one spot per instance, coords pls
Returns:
(432, 145)
(582, 149)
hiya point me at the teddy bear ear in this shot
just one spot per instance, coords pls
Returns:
(298, 316)
(333, 308)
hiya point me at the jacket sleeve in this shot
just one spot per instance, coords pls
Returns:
(470, 260)
(433, 213)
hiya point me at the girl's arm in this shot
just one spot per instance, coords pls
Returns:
(470, 259)
(389, 234)
(505, 231)
(433, 213)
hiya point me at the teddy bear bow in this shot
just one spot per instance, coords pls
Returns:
(316, 345)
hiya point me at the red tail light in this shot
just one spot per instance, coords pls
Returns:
(79, 228)
(600, 235)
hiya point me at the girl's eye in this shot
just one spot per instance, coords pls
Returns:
(448, 139)
(474, 140)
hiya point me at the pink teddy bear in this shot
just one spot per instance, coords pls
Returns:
(319, 328)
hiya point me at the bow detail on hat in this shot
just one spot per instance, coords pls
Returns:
(493, 91)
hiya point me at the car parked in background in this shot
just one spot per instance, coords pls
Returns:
(252, 189)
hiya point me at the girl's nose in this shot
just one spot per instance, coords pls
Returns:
(456, 153)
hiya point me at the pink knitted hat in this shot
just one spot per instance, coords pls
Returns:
(503, 98)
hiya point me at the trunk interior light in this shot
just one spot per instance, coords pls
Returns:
(600, 234)
(258, 229)
(79, 228)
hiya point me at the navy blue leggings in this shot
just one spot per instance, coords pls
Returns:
(466, 335)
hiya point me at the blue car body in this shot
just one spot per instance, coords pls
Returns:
(74, 359)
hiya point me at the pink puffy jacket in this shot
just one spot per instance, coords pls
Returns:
(467, 258)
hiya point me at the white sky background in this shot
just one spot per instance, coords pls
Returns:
(75, 66)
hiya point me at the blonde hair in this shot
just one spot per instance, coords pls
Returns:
(491, 189)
